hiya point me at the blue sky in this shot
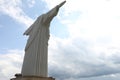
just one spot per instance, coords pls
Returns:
(84, 42)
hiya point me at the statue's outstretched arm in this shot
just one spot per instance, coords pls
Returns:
(61, 4)
(52, 13)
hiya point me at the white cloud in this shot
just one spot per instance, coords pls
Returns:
(98, 22)
(12, 9)
(67, 56)
(10, 63)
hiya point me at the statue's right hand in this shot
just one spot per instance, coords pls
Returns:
(61, 4)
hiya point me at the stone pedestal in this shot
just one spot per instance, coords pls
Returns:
(20, 77)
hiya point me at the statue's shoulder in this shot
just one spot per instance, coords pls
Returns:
(42, 15)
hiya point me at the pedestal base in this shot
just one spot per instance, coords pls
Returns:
(32, 78)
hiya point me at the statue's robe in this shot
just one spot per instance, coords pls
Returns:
(36, 51)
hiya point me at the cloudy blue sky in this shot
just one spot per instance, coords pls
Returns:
(84, 42)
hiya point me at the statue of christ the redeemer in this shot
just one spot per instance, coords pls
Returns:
(36, 51)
